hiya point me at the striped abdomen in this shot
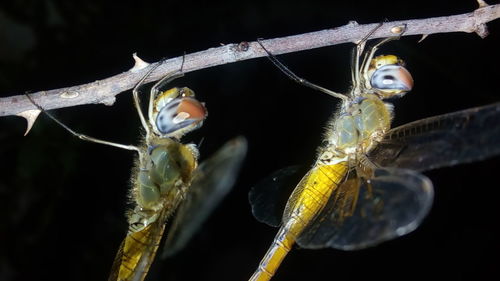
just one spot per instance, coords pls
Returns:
(307, 200)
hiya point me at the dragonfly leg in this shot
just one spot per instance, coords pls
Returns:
(137, 102)
(356, 54)
(371, 52)
(82, 136)
(365, 167)
(156, 89)
(296, 78)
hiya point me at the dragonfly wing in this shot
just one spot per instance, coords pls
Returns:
(268, 197)
(213, 179)
(137, 252)
(358, 216)
(440, 141)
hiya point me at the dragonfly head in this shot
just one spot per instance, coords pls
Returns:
(177, 112)
(388, 76)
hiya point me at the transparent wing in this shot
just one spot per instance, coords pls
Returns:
(137, 252)
(269, 196)
(445, 140)
(212, 181)
(358, 215)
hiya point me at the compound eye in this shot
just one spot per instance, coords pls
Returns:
(391, 80)
(180, 116)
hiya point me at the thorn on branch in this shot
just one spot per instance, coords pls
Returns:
(139, 63)
(30, 116)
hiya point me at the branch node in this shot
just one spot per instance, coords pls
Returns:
(69, 94)
(482, 30)
(243, 46)
(479, 26)
(108, 101)
(352, 23)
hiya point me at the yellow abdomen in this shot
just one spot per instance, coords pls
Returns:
(136, 253)
(307, 200)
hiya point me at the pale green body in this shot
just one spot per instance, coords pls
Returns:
(162, 182)
(358, 126)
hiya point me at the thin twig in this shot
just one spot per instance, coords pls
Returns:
(104, 91)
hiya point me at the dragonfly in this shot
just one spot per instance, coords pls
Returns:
(365, 186)
(167, 180)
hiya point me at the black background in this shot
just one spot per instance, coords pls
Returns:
(62, 200)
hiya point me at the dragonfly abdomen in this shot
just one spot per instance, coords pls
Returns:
(132, 255)
(311, 195)
(307, 200)
(282, 244)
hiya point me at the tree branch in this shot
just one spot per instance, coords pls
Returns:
(104, 91)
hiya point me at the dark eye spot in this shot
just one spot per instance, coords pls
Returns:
(388, 77)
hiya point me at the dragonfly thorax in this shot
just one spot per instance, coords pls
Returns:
(163, 179)
(359, 125)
